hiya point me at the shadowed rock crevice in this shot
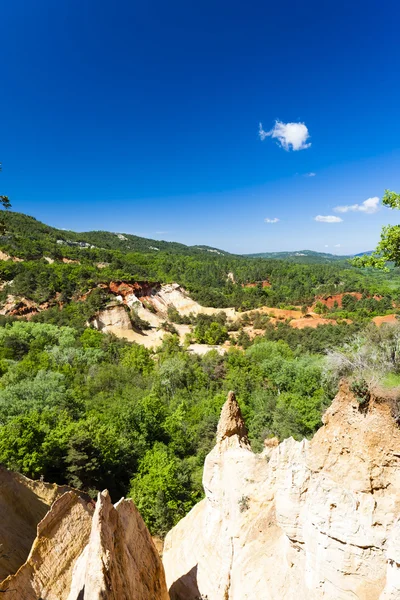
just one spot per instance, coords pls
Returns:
(186, 586)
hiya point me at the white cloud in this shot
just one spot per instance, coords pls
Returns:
(369, 206)
(326, 246)
(289, 135)
(311, 174)
(338, 245)
(275, 220)
(328, 219)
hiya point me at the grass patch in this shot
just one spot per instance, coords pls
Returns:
(391, 380)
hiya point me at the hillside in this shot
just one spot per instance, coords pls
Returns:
(30, 237)
(302, 256)
(115, 363)
(53, 272)
(26, 236)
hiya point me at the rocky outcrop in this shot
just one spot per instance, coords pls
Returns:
(61, 535)
(138, 288)
(302, 520)
(5, 256)
(19, 307)
(23, 504)
(120, 561)
(231, 421)
(80, 551)
(112, 318)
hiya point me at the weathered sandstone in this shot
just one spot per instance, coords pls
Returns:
(120, 561)
(61, 534)
(111, 318)
(81, 551)
(302, 520)
(23, 504)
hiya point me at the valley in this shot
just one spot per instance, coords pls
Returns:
(138, 290)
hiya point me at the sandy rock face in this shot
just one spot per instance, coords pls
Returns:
(231, 421)
(81, 551)
(112, 318)
(120, 561)
(23, 504)
(303, 520)
(61, 534)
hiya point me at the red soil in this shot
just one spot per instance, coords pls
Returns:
(280, 313)
(329, 301)
(386, 319)
(139, 288)
(310, 322)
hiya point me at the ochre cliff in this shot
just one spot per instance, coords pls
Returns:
(301, 521)
(84, 552)
(23, 503)
(61, 534)
(120, 561)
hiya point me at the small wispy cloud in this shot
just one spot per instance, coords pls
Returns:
(338, 245)
(275, 220)
(369, 206)
(290, 136)
(311, 174)
(326, 246)
(328, 219)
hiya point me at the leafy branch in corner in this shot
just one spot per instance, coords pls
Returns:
(388, 249)
(4, 200)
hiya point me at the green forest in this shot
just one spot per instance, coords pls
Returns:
(96, 412)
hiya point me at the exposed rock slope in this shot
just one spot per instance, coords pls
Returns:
(120, 561)
(23, 503)
(47, 573)
(80, 552)
(303, 520)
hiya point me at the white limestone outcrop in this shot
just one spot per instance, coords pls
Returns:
(111, 318)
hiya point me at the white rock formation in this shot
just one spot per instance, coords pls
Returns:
(112, 318)
(173, 294)
(120, 561)
(301, 521)
(81, 551)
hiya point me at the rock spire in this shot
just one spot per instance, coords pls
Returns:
(231, 421)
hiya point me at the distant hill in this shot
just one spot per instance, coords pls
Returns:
(365, 253)
(29, 238)
(22, 226)
(304, 256)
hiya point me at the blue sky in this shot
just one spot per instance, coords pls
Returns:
(143, 117)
